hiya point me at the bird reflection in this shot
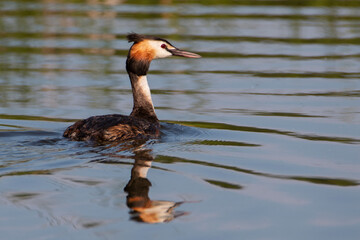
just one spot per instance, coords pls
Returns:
(143, 209)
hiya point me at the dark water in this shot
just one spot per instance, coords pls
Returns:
(260, 137)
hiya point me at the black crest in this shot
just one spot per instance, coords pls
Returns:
(136, 38)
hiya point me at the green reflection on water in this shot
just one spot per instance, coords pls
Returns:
(224, 143)
(316, 180)
(32, 172)
(294, 3)
(224, 126)
(223, 184)
(34, 118)
(328, 181)
(152, 15)
(66, 35)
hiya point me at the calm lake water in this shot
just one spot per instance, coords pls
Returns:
(260, 137)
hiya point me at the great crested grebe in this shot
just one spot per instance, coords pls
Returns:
(142, 122)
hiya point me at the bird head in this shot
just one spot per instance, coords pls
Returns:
(146, 48)
(149, 48)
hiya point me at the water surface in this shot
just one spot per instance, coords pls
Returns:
(260, 137)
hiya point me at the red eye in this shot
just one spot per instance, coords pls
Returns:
(163, 45)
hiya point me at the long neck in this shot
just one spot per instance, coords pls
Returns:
(143, 106)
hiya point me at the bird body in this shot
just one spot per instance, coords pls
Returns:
(112, 127)
(142, 122)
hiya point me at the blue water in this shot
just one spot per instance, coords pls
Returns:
(260, 137)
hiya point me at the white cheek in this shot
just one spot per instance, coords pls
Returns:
(162, 53)
(159, 52)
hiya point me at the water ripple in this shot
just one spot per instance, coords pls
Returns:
(316, 180)
(311, 137)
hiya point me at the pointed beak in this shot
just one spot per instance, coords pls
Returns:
(182, 53)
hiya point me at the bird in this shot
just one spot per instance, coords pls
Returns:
(142, 123)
